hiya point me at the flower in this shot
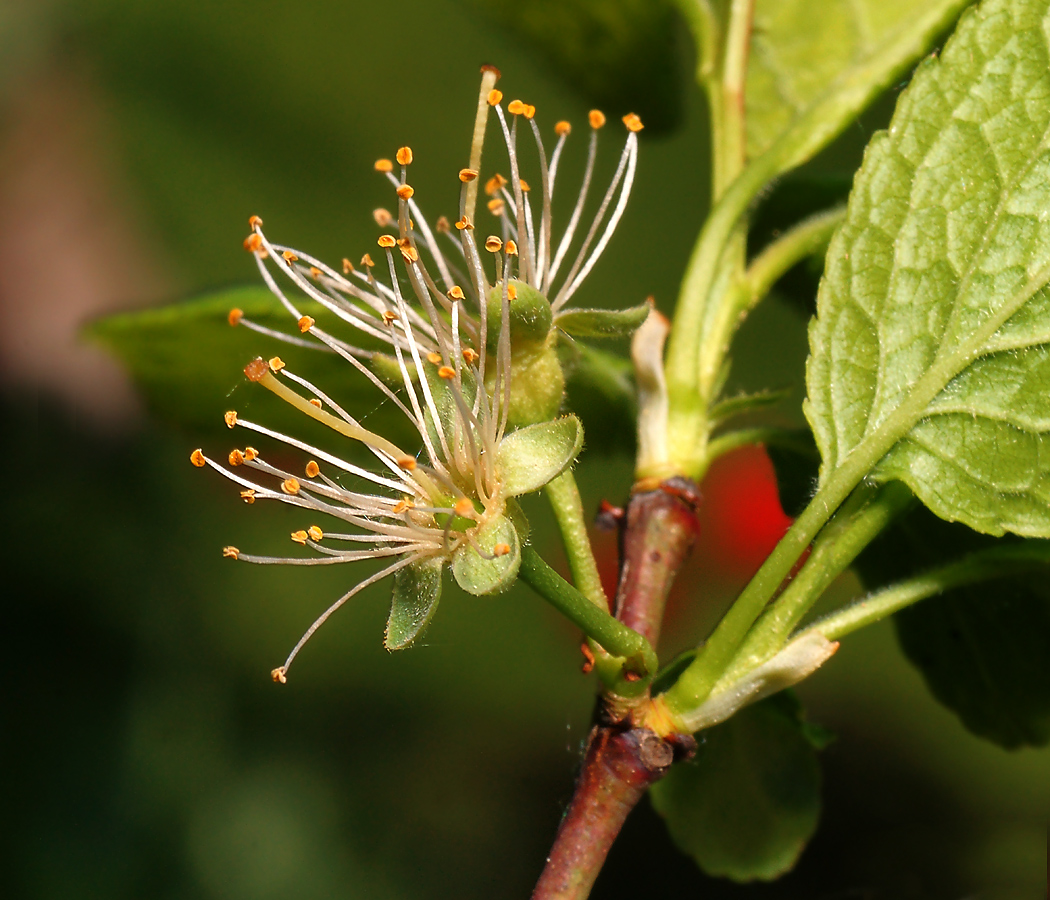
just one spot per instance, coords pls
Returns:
(469, 362)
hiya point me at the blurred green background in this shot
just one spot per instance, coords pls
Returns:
(145, 751)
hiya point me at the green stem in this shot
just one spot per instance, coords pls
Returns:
(807, 238)
(615, 637)
(985, 565)
(564, 497)
(861, 519)
(696, 682)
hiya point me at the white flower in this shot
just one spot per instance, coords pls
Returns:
(463, 357)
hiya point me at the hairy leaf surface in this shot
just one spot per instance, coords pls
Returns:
(814, 77)
(930, 353)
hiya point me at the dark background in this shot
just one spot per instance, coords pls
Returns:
(144, 750)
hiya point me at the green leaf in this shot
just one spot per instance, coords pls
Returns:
(929, 353)
(749, 801)
(806, 83)
(984, 649)
(417, 590)
(532, 456)
(484, 572)
(618, 54)
(742, 404)
(188, 361)
(602, 323)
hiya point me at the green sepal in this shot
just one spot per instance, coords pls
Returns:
(530, 314)
(417, 590)
(478, 575)
(602, 323)
(531, 456)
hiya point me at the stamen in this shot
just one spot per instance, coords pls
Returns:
(384, 165)
(383, 217)
(315, 533)
(405, 192)
(597, 118)
(467, 175)
(276, 364)
(312, 469)
(236, 458)
(455, 292)
(255, 222)
(198, 459)
(348, 266)
(306, 323)
(404, 156)
(230, 418)
(235, 317)
(248, 496)
(230, 552)
(290, 486)
(300, 537)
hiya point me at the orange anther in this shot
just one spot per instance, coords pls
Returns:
(230, 418)
(562, 127)
(632, 122)
(399, 507)
(315, 533)
(493, 185)
(470, 356)
(389, 316)
(529, 111)
(197, 458)
(250, 453)
(493, 244)
(511, 248)
(312, 469)
(386, 241)
(290, 485)
(597, 118)
(501, 550)
(446, 372)
(299, 537)
(231, 552)
(442, 225)
(236, 458)
(235, 316)
(455, 292)
(512, 292)
(495, 206)
(306, 323)
(404, 156)
(248, 496)
(348, 266)
(314, 402)
(384, 165)
(433, 358)
(524, 185)
(382, 216)
(495, 97)
(254, 222)
(315, 272)
(278, 675)
(255, 370)
(409, 253)
(289, 257)
(366, 260)
(515, 107)
(253, 242)
(464, 222)
(407, 462)
(464, 508)
(467, 175)
(405, 192)
(276, 364)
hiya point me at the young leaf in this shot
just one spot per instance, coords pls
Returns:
(602, 323)
(532, 456)
(493, 564)
(417, 590)
(930, 353)
(983, 649)
(807, 83)
(745, 807)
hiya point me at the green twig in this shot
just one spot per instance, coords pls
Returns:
(615, 637)
(564, 497)
(985, 565)
(807, 238)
